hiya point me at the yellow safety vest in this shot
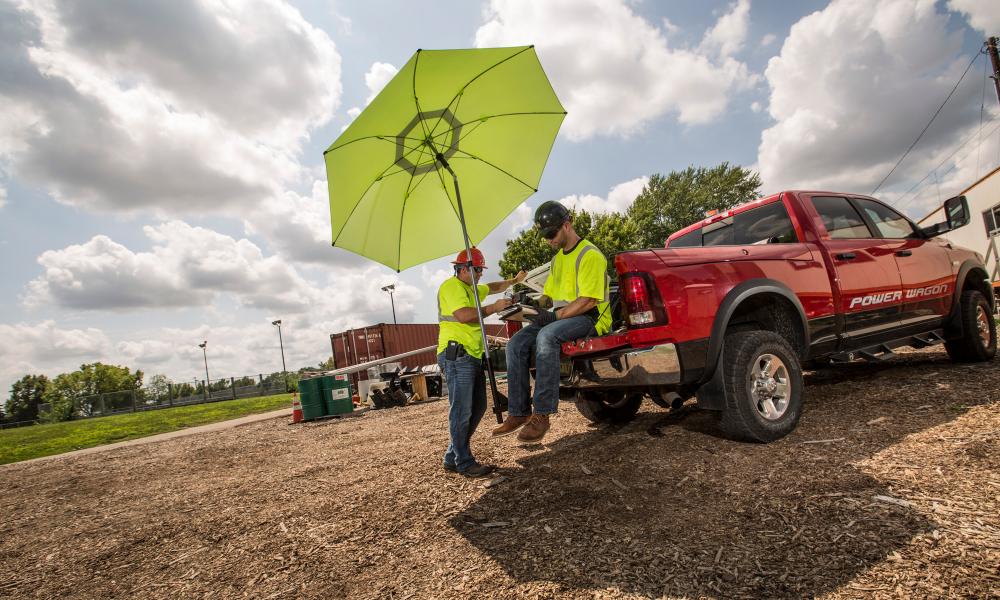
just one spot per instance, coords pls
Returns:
(581, 272)
(453, 295)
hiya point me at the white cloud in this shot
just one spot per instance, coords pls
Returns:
(611, 68)
(727, 36)
(171, 106)
(619, 198)
(979, 13)
(840, 121)
(3, 196)
(378, 75)
(767, 40)
(756, 107)
(45, 348)
(188, 266)
(299, 227)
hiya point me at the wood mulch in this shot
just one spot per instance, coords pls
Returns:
(890, 487)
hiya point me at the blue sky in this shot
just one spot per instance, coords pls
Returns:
(161, 177)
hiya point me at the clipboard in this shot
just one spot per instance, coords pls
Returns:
(516, 312)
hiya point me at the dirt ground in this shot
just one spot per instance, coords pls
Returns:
(890, 487)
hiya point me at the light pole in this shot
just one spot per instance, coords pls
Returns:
(391, 288)
(282, 345)
(204, 353)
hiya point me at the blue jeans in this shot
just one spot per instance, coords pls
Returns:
(467, 403)
(547, 342)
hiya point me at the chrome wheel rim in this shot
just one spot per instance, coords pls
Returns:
(769, 386)
(983, 325)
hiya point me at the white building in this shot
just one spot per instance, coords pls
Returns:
(982, 234)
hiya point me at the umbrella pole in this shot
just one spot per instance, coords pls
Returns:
(499, 400)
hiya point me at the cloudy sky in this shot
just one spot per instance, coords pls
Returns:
(161, 173)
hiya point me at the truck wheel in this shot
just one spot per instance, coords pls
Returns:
(979, 331)
(608, 407)
(763, 381)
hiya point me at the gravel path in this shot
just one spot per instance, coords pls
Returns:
(890, 487)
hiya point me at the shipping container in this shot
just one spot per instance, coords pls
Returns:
(364, 344)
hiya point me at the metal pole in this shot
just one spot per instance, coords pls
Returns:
(991, 49)
(204, 353)
(499, 400)
(392, 301)
(284, 370)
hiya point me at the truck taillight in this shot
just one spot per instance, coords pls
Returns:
(641, 300)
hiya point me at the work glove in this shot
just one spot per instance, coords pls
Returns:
(543, 318)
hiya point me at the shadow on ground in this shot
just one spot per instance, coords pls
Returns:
(665, 506)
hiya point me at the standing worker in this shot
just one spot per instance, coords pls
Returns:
(460, 356)
(577, 288)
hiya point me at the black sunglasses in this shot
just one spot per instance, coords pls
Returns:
(478, 270)
(550, 233)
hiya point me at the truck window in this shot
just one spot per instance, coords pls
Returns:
(840, 218)
(768, 224)
(692, 238)
(890, 224)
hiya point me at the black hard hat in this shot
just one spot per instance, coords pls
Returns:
(550, 216)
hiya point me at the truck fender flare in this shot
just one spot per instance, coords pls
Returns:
(731, 302)
(954, 316)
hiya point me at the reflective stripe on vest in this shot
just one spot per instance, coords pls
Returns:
(441, 317)
(579, 260)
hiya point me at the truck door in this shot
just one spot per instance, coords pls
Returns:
(867, 287)
(924, 264)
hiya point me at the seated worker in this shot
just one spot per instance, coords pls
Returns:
(577, 287)
(460, 356)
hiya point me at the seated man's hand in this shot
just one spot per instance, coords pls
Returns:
(543, 318)
(501, 304)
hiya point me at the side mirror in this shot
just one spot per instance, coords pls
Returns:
(956, 210)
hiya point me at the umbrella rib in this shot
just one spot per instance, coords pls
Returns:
(385, 138)
(508, 174)
(459, 93)
(481, 120)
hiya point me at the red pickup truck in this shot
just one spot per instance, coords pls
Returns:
(734, 307)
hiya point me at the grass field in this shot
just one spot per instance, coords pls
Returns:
(44, 440)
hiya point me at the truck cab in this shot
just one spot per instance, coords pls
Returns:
(735, 306)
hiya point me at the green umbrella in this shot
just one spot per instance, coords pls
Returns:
(487, 116)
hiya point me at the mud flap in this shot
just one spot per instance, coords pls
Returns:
(712, 394)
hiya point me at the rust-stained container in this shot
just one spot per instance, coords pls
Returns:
(364, 344)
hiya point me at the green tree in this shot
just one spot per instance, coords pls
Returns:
(157, 389)
(80, 391)
(25, 396)
(328, 364)
(672, 202)
(613, 233)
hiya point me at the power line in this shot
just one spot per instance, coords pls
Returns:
(899, 204)
(926, 127)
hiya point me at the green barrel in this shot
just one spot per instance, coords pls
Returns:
(337, 394)
(311, 397)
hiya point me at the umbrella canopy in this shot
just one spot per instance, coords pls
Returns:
(490, 113)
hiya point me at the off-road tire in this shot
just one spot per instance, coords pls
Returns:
(970, 347)
(608, 407)
(741, 418)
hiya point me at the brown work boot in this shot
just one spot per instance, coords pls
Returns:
(509, 425)
(534, 430)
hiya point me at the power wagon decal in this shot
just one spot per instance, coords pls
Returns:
(880, 298)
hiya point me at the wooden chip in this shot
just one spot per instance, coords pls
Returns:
(891, 500)
(585, 470)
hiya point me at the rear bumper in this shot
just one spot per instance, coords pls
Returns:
(654, 366)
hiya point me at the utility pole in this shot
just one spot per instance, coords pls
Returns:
(204, 353)
(390, 289)
(991, 49)
(284, 370)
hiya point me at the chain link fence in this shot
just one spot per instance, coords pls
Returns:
(168, 394)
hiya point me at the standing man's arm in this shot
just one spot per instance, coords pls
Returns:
(498, 286)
